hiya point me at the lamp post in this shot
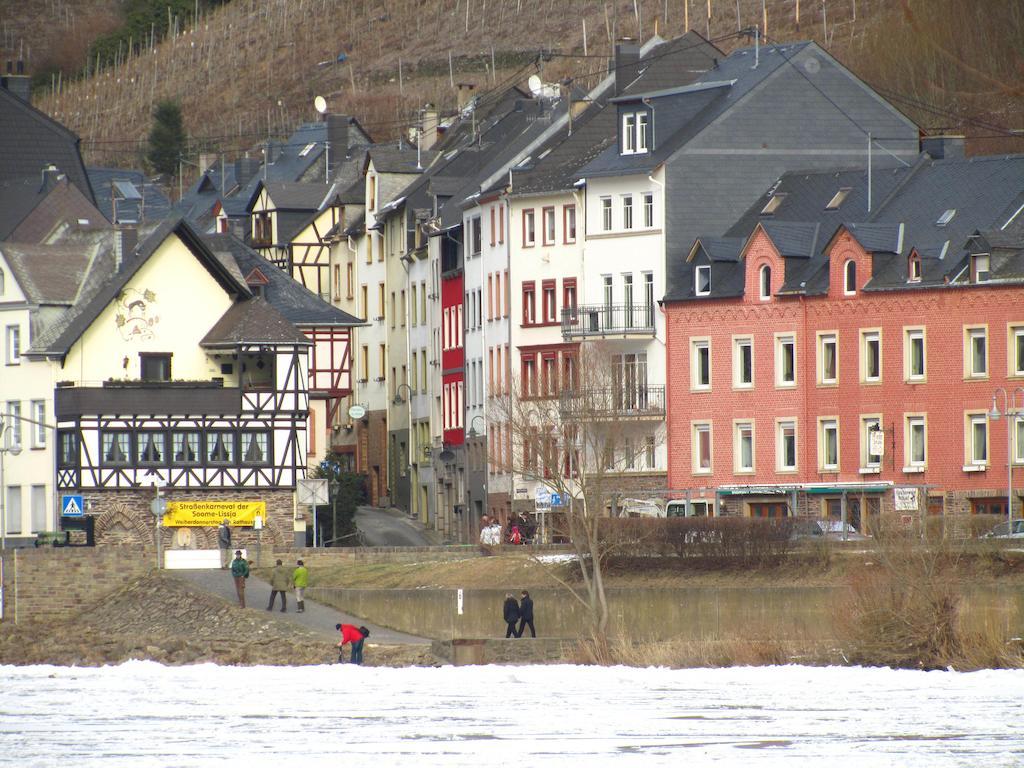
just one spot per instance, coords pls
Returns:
(1013, 413)
(14, 449)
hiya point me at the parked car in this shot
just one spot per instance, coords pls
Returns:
(1004, 531)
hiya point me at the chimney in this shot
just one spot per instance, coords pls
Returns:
(626, 63)
(944, 147)
(245, 169)
(206, 161)
(125, 240)
(17, 82)
(337, 136)
(429, 135)
(50, 175)
(465, 93)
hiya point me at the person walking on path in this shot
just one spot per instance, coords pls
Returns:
(280, 581)
(355, 635)
(240, 572)
(224, 542)
(511, 612)
(526, 615)
(300, 578)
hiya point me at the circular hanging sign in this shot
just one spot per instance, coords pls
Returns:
(356, 412)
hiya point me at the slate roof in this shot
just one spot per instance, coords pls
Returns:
(252, 321)
(558, 163)
(18, 198)
(31, 140)
(985, 192)
(295, 302)
(50, 274)
(65, 334)
(153, 206)
(389, 158)
(682, 113)
(295, 196)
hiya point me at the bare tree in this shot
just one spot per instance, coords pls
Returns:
(577, 430)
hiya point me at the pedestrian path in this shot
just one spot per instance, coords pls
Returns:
(319, 618)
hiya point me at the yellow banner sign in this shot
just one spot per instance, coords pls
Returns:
(242, 514)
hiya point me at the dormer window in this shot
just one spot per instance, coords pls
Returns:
(702, 280)
(837, 199)
(766, 282)
(980, 268)
(634, 133)
(850, 277)
(773, 204)
(913, 268)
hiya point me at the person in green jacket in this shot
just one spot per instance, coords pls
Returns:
(240, 572)
(300, 578)
(280, 581)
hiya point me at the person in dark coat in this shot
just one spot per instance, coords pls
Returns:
(526, 615)
(511, 615)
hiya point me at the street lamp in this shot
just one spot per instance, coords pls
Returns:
(1013, 413)
(472, 431)
(399, 400)
(6, 446)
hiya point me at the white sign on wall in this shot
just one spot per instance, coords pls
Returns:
(906, 499)
(876, 443)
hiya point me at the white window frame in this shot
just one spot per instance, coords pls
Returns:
(764, 282)
(913, 424)
(38, 411)
(972, 335)
(629, 133)
(911, 334)
(12, 343)
(826, 338)
(627, 211)
(867, 336)
(848, 289)
(606, 213)
(642, 122)
(827, 425)
(738, 345)
(869, 463)
(972, 461)
(781, 425)
(781, 341)
(704, 269)
(1015, 350)
(648, 204)
(743, 430)
(697, 430)
(698, 343)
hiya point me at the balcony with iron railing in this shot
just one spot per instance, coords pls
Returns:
(626, 402)
(597, 320)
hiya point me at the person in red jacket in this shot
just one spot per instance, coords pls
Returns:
(355, 635)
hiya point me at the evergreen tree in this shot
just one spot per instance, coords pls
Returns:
(167, 138)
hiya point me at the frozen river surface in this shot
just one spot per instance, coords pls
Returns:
(143, 714)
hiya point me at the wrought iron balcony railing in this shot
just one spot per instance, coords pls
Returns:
(634, 402)
(608, 320)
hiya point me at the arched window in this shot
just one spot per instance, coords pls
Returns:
(914, 268)
(850, 277)
(766, 282)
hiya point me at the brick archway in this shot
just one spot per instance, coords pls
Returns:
(121, 526)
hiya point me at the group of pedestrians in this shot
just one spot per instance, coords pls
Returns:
(518, 615)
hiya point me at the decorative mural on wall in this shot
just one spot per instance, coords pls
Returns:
(137, 316)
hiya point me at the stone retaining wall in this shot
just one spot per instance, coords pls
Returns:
(54, 583)
(490, 651)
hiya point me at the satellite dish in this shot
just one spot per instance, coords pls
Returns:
(536, 85)
(321, 104)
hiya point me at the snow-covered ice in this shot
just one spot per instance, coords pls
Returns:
(142, 714)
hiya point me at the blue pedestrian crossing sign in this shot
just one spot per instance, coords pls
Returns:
(72, 506)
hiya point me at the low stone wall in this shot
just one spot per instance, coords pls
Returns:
(334, 555)
(489, 651)
(55, 583)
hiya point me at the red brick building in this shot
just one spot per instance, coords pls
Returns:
(821, 365)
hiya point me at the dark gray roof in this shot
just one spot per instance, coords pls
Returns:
(986, 193)
(252, 321)
(152, 204)
(389, 158)
(294, 196)
(295, 302)
(50, 274)
(84, 313)
(31, 140)
(682, 113)
(559, 162)
(18, 198)
(721, 248)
